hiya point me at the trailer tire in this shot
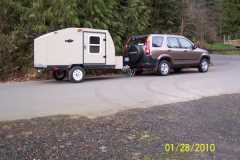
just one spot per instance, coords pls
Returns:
(76, 74)
(59, 75)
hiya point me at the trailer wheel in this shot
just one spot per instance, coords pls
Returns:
(59, 75)
(76, 74)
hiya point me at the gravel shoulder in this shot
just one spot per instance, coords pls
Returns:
(133, 134)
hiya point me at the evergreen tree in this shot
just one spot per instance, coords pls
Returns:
(22, 21)
(166, 16)
(231, 17)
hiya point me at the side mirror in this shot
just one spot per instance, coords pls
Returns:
(194, 46)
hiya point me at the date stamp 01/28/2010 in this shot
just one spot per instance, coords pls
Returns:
(190, 148)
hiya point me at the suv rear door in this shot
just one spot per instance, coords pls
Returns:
(157, 43)
(134, 50)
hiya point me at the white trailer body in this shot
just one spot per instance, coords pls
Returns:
(76, 46)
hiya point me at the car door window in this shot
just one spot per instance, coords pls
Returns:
(157, 41)
(94, 44)
(172, 42)
(185, 43)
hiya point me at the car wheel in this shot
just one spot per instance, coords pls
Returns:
(59, 75)
(177, 70)
(204, 65)
(164, 68)
(76, 74)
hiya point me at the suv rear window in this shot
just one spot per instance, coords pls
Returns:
(157, 41)
(137, 40)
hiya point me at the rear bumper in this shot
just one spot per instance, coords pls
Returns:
(118, 62)
(40, 66)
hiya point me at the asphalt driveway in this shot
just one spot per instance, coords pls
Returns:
(106, 95)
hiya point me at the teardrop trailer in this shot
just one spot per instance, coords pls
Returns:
(70, 52)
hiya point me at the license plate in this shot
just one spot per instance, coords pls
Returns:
(126, 59)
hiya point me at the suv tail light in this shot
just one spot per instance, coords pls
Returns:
(125, 48)
(147, 48)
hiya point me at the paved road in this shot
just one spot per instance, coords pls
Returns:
(106, 95)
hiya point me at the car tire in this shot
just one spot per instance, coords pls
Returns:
(164, 68)
(76, 74)
(59, 75)
(204, 65)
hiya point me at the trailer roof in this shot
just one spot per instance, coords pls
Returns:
(82, 29)
(73, 29)
(92, 30)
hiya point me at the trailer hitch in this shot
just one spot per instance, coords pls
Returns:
(130, 71)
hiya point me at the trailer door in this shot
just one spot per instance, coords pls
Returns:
(94, 48)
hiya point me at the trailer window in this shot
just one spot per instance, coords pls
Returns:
(94, 44)
(94, 40)
(94, 49)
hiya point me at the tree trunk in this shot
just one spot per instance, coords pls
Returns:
(182, 25)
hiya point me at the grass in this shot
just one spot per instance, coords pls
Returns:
(219, 46)
(223, 48)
